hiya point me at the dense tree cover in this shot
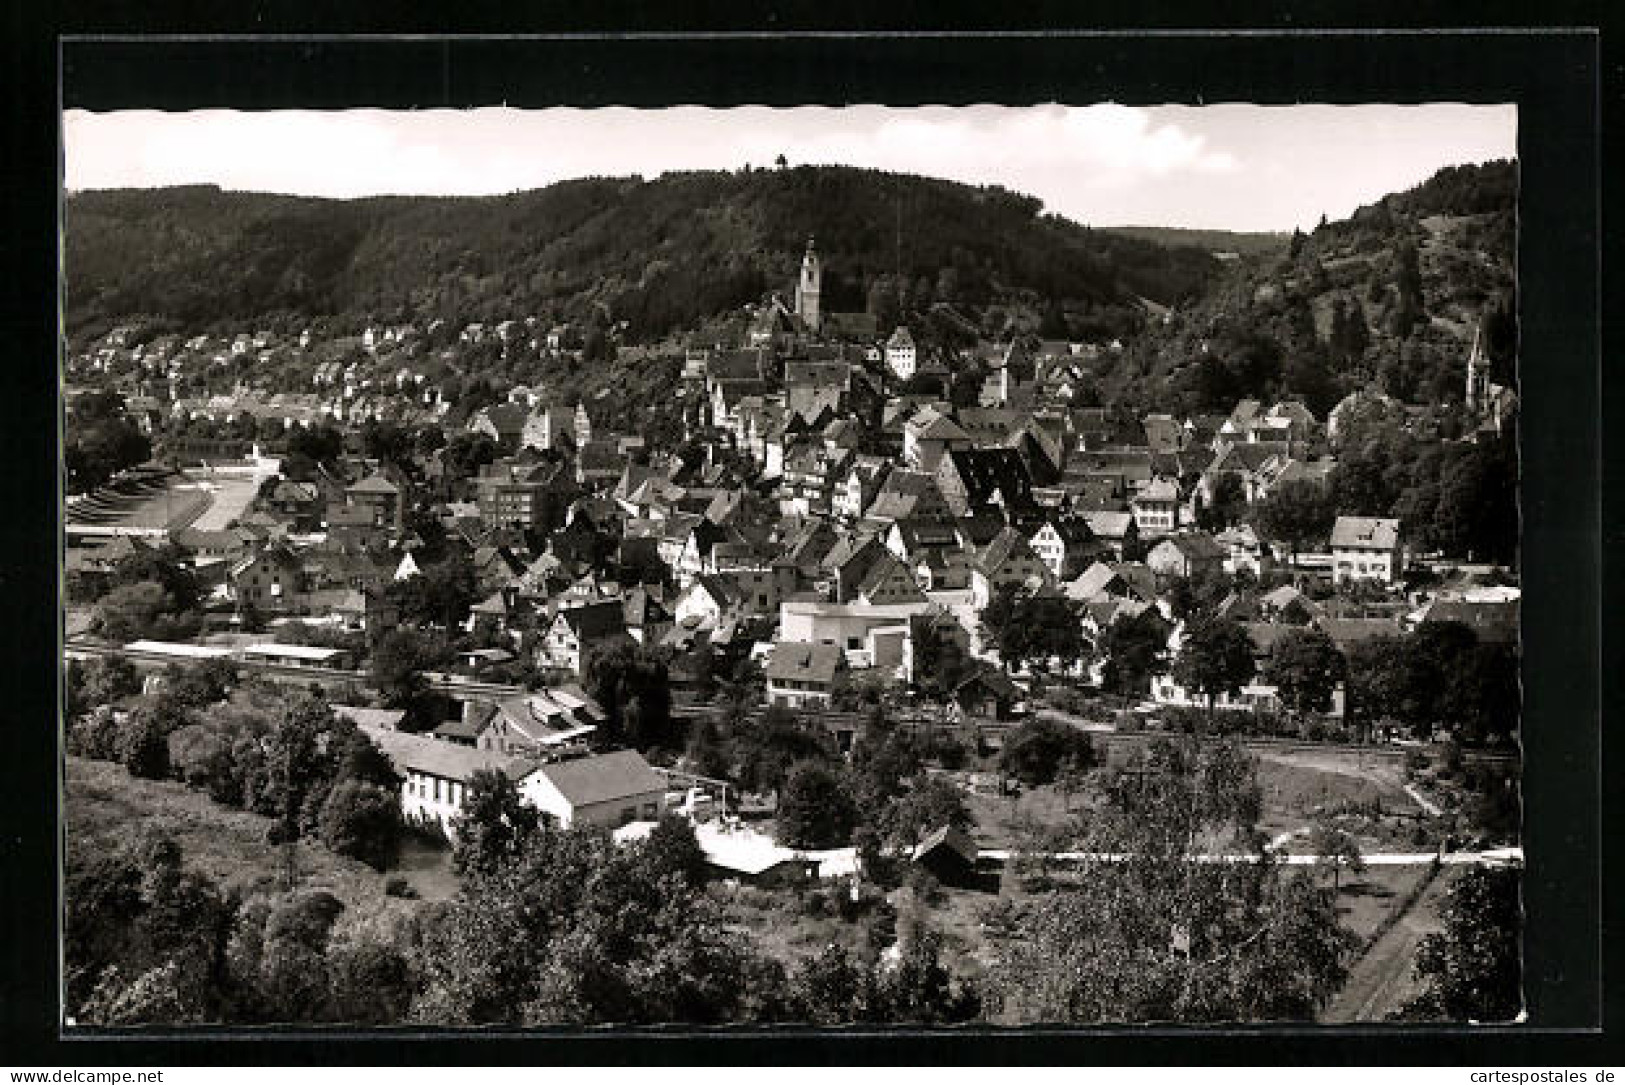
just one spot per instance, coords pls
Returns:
(1438, 676)
(1458, 498)
(1305, 667)
(1134, 649)
(675, 250)
(816, 808)
(576, 930)
(395, 668)
(1472, 970)
(1299, 514)
(1215, 657)
(101, 441)
(439, 594)
(632, 685)
(494, 825)
(142, 937)
(1389, 296)
(1158, 937)
(1036, 752)
(1033, 629)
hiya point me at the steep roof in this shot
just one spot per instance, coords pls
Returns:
(988, 471)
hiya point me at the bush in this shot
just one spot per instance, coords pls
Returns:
(142, 745)
(397, 886)
(362, 821)
(925, 886)
(94, 735)
(1415, 762)
(1034, 751)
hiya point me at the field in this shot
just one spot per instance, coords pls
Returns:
(105, 807)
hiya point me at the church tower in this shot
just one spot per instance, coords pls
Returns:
(808, 287)
(1478, 376)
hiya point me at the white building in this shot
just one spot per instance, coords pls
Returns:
(900, 354)
(1366, 548)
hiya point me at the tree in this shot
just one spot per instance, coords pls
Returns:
(633, 686)
(831, 988)
(1215, 656)
(815, 808)
(930, 803)
(362, 821)
(143, 743)
(1297, 514)
(1135, 649)
(1160, 937)
(1472, 969)
(397, 664)
(495, 824)
(368, 983)
(1337, 849)
(673, 848)
(200, 684)
(131, 612)
(440, 594)
(1034, 752)
(1305, 667)
(777, 741)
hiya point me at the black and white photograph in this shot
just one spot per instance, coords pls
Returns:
(791, 565)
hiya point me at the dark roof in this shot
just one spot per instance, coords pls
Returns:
(950, 838)
(594, 620)
(986, 471)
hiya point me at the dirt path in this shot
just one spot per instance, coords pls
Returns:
(1381, 980)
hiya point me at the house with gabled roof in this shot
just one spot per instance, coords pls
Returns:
(1191, 553)
(907, 493)
(610, 789)
(577, 632)
(1007, 562)
(928, 435)
(1156, 508)
(1366, 548)
(973, 479)
(1064, 544)
(858, 486)
(801, 675)
(887, 581)
(537, 724)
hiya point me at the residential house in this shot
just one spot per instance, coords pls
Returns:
(1007, 562)
(1366, 548)
(929, 435)
(1115, 530)
(577, 632)
(271, 580)
(972, 479)
(801, 675)
(1065, 545)
(1156, 508)
(610, 790)
(1193, 553)
(901, 357)
(535, 725)
(1243, 550)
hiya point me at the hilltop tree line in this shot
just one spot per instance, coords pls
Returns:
(660, 255)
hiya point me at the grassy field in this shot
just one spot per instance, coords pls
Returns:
(107, 807)
(1382, 980)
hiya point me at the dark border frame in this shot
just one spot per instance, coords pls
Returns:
(1553, 76)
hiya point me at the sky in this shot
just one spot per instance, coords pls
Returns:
(1236, 167)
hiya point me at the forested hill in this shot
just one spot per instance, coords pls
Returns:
(1214, 241)
(1390, 297)
(661, 255)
